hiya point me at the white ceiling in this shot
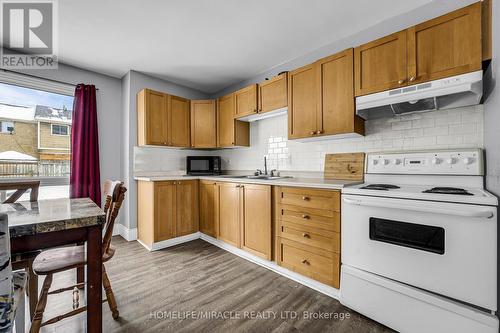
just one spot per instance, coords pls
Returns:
(208, 44)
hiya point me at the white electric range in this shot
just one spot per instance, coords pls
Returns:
(419, 243)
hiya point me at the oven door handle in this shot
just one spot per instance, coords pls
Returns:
(466, 213)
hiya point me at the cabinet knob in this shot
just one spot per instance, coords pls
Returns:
(305, 262)
(413, 78)
(312, 132)
(305, 235)
(305, 216)
(319, 132)
(305, 198)
(401, 81)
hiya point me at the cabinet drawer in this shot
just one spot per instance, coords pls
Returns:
(318, 218)
(320, 199)
(296, 257)
(325, 240)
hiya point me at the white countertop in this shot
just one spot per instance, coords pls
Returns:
(295, 181)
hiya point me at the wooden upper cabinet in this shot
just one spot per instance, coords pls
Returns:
(229, 213)
(273, 93)
(256, 235)
(230, 132)
(152, 118)
(187, 207)
(203, 124)
(246, 101)
(165, 207)
(336, 112)
(208, 207)
(381, 64)
(446, 46)
(302, 102)
(179, 124)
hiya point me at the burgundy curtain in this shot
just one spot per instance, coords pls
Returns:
(85, 178)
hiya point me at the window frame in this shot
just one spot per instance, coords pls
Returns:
(7, 132)
(60, 125)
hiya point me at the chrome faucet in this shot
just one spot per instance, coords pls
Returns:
(265, 165)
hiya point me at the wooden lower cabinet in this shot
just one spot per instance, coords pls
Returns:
(208, 207)
(307, 223)
(256, 235)
(229, 213)
(166, 209)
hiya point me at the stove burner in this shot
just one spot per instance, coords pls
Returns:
(448, 190)
(379, 187)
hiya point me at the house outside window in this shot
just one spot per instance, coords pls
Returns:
(59, 129)
(6, 127)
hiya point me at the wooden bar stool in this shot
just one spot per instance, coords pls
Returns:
(25, 260)
(58, 260)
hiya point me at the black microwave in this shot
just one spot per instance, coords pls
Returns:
(203, 165)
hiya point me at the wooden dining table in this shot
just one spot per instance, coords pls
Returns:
(56, 222)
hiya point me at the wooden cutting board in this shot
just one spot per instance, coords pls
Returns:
(349, 166)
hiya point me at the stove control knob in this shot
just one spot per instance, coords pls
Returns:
(467, 160)
(397, 161)
(451, 160)
(436, 161)
(386, 162)
(374, 162)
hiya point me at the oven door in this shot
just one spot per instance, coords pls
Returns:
(446, 248)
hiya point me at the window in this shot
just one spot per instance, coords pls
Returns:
(39, 147)
(59, 129)
(6, 126)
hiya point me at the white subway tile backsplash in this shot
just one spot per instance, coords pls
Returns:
(443, 129)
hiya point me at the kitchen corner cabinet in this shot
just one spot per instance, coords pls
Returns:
(166, 209)
(273, 93)
(445, 46)
(246, 101)
(321, 98)
(230, 132)
(162, 119)
(203, 124)
(208, 207)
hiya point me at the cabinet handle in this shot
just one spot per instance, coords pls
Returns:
(319, 132)
(305, 217)
(305, 262)
(401, 81)
(305, 235)
(312, 132)
(413, 78)
(238, 185)
(305, 198)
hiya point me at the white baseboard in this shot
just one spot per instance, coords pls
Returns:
(171, 242)
(271, 265)
(126, 233)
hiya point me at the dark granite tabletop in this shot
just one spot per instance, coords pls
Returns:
(30, 218)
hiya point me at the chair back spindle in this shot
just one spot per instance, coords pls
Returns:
(115, 193)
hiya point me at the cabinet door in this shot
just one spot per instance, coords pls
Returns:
(335, 76)
(381, 64)
(187, 219)
(165, 212)
(256, 227)
(446, 46)
(179, 121)
(273, 93)
(226, 122)
(302, 102)
(152, 118)
(203, 124)
(246, 101)
(229, 213)
(208, 191)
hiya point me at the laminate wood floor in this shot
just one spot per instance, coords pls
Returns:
(161, 292)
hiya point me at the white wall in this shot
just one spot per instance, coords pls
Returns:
(132, 83)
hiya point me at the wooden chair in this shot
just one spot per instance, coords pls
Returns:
(25, 260)
(58, 260)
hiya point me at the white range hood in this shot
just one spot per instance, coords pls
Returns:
(451, 92)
